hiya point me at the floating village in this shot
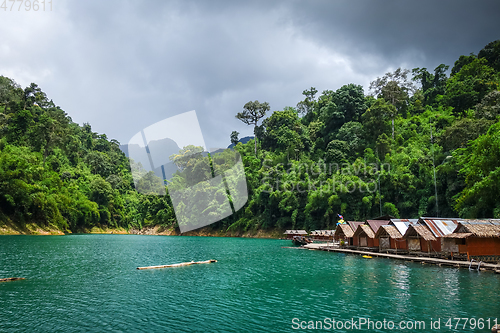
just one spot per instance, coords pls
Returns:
(472, 244)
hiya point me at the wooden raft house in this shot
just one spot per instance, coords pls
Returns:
(322, 235)
(364, 237)
(440, 238)
(290, 233)
(354, 226)
(440, 227)
(402, 226)
(344, 233)
(389, 239)
(419, 238)
(479, 240)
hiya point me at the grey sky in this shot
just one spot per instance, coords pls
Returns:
(124, 65)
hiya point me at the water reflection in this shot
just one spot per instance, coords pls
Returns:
(400, 281)
(255, 286)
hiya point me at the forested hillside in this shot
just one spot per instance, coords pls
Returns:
(58, 174)
(358, 151)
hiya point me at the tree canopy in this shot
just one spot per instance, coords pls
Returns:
(342, 152)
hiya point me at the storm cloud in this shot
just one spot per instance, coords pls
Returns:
(124, 65)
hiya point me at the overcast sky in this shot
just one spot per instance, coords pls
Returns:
(124, 65)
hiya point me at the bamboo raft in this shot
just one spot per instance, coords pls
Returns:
(11, 279)
(179, 265)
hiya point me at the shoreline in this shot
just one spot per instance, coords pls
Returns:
(34, 229)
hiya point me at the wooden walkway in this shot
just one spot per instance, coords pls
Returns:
(427, 260)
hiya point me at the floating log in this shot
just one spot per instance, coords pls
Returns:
(181, 264)
(11, 279)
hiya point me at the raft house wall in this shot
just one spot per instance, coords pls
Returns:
(341, 235)
(361, 238)
(390, 238)
(479, 246)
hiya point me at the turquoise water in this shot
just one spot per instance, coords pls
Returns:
(89, 283)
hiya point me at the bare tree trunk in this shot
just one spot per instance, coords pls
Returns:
(393, 128)
(393, 103)
(255, 138)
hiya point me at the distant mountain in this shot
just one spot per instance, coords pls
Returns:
(220, 150)
(124, 149)
(242, 140)
(160, 151)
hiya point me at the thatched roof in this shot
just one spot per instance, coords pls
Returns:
(419, 230)
(344, 229)
(483, 230)
(295, 232)
(459, 235)
(389, 230)
(323, 233)
(364, 228)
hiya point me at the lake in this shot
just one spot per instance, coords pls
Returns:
(89, 283)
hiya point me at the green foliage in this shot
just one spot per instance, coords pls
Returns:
(461, 62)
(468, 87)
(332, 154)
(252, 113)
(56, 173)
(489, 108)
(491, 53)
(284, 132)
(376, 119)
(480, 165)
(432, 85)
(350, 101)
(462, 131)
(234, 137)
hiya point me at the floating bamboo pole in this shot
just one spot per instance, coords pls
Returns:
(11, 279)
(181, 264)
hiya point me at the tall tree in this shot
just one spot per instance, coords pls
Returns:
(9, 91)
(461, 62)
(234, 137)
(251, 114)
(491, 52)
(432, 85)
(394, 88)
(376, 117)
(284, 132)
(306, 106)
